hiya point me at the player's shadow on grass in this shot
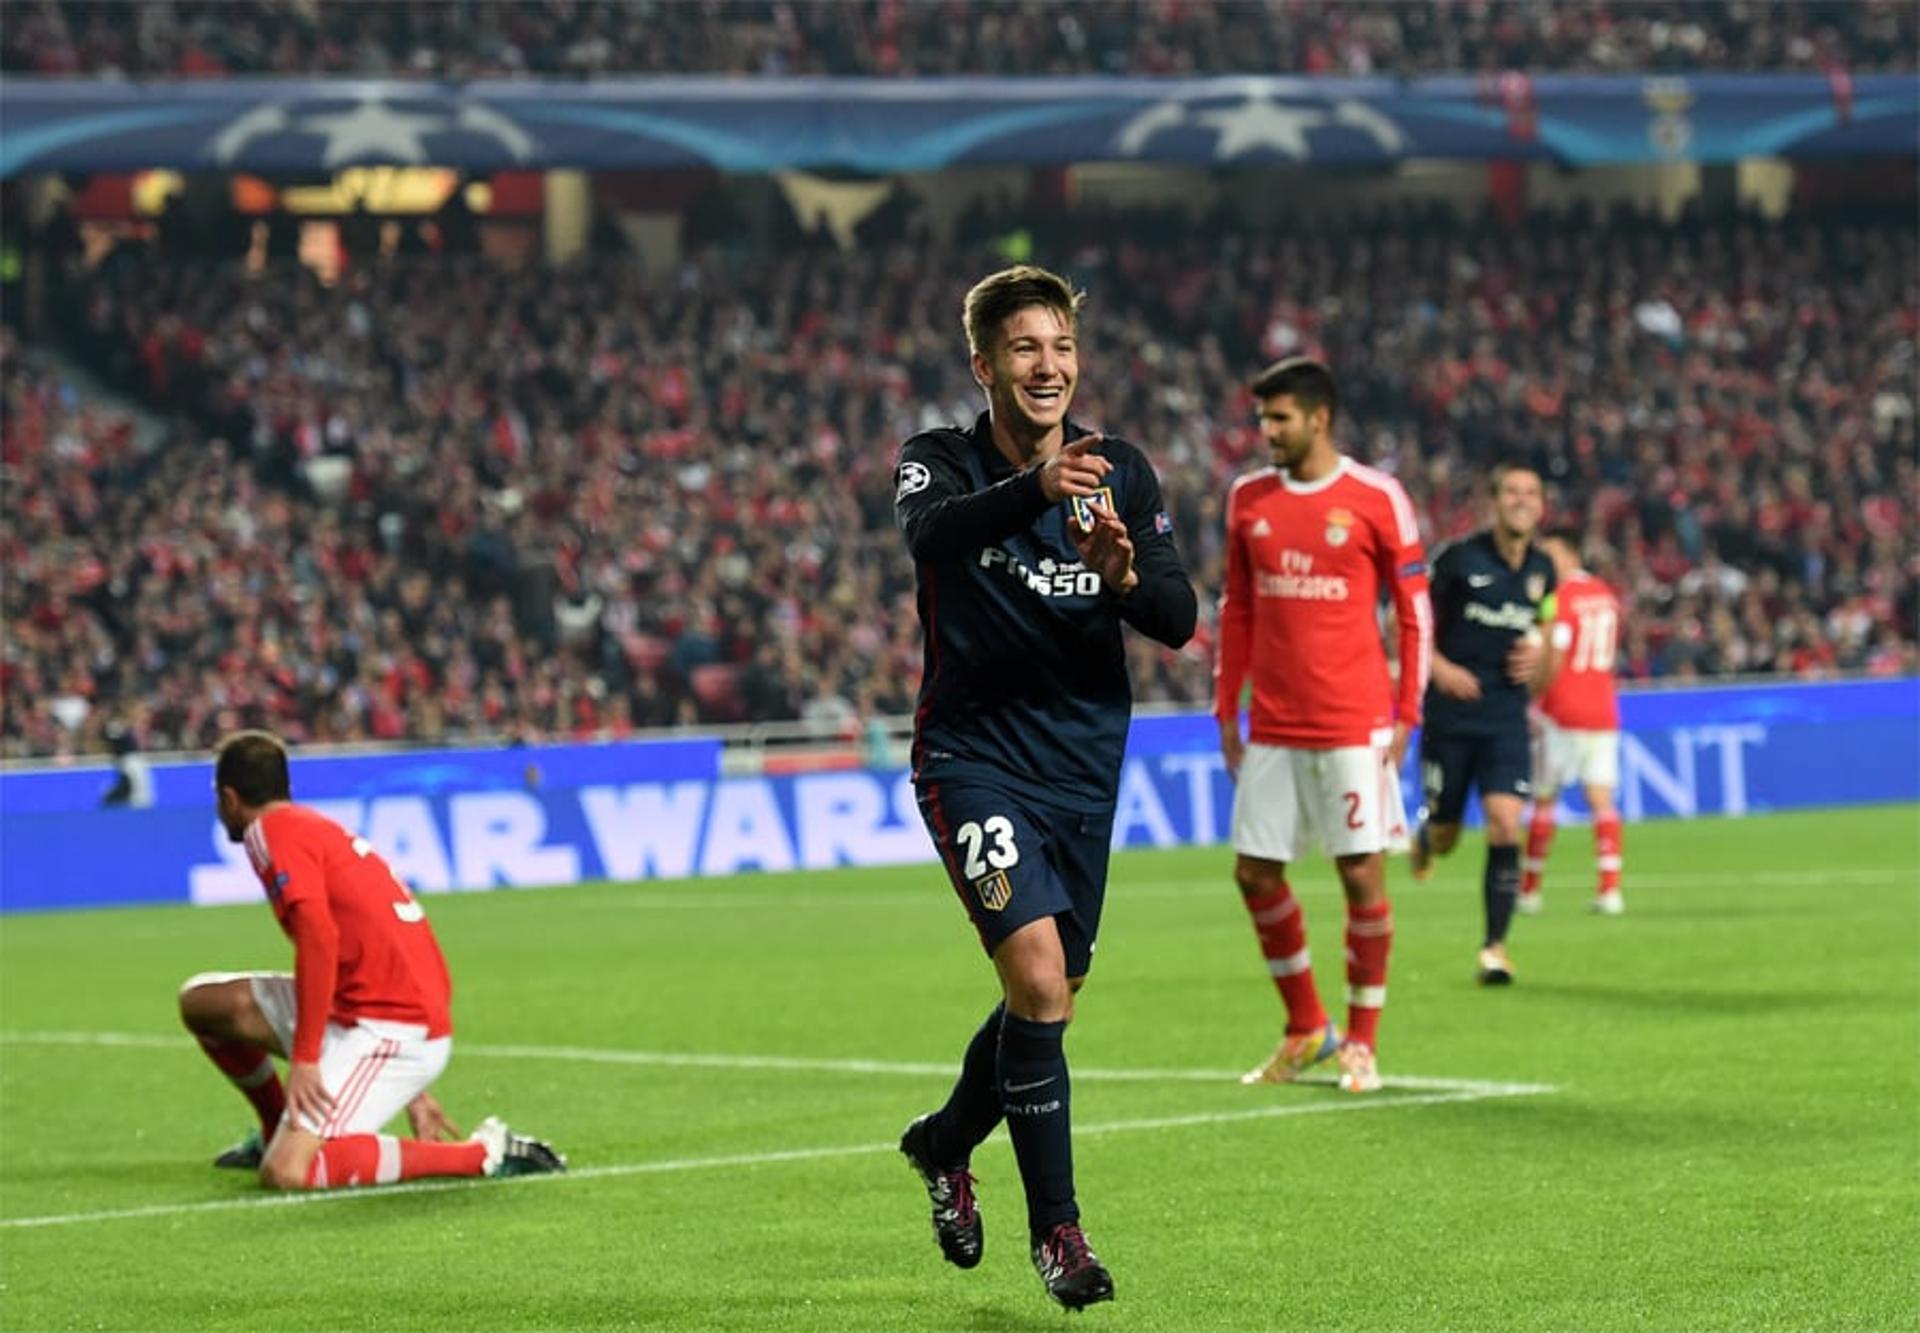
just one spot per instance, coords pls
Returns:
(1684, 1000)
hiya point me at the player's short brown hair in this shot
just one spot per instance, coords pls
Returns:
(254, 764)
(998, 295)
(1308, 382)
(1498, 473)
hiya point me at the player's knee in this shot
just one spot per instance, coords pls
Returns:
(1600, 801)
(1040, 997)
(1442, 838)
(279, 1174)
(201, 1001)
(1258, 879)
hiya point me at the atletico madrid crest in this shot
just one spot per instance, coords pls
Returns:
(1536, 587)
(994, 891)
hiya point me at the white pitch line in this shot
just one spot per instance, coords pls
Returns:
(669, 1165)
(786, 1063)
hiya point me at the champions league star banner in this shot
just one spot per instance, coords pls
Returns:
(448, 820)
(887, 125)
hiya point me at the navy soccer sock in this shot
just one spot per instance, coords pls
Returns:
(973, 1107)
(1033, 1086)
(1500, 889)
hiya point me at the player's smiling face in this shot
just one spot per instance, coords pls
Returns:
(1518, 502)
(1030, 371)
(1288, 429)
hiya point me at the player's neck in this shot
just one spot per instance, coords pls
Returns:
(1320, 463)
(1512, 546)
(1023, 449)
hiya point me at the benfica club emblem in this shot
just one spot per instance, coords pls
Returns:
(1339, 526)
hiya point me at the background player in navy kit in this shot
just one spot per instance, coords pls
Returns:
(1491, 591)
(1032, 541)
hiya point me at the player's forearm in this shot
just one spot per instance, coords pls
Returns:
(316, 965)
(954, 525)
(1162, 605)
(1415, 614)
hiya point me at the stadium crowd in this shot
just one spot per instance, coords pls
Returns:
(445, 499)
(462, 39)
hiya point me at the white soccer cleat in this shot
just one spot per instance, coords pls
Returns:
(1359, 1072)
(1495, 968)
(1608, 904)
(1530, 904)
(493, 1133)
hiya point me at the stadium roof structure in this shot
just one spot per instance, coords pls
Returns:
(310, 125)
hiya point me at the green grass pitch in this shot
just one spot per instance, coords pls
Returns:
(1701, 1115)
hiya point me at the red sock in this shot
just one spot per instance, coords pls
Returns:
(1606, 852)
(1283, 943)
(1539, 843)
(251, 1070)
(381, 1159)
(1369, 941)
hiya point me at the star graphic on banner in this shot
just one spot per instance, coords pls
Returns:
(373, 130)
(1261, 123)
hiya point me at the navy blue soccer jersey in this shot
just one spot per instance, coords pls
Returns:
(1481, 607)
(1025, 681)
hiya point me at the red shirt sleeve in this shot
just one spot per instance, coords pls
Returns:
(1403, 571)
(1234, 651)
(308, 921)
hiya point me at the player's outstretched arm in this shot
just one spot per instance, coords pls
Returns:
(942, 517)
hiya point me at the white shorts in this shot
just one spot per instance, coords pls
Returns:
(373, 1069)
(1566, 758)
(1348, 800)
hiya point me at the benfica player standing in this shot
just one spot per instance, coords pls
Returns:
(1579, 724)
(1313, 544)
(363, 1021)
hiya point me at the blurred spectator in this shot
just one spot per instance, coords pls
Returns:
(443, 500)
(465, 39)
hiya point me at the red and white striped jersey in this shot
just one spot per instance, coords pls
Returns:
(362, 945)
(1307, 564)
(1586, 635)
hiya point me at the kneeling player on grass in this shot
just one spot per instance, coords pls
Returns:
(362, 1020)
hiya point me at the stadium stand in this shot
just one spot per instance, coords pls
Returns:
(462, 39)
(445, 499)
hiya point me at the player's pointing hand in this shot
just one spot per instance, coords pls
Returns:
(1075, 470)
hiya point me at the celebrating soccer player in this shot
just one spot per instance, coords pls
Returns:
(363, 1020)
(1491, 592)
(1578, 737)
(1033, 540)
(1313, 543)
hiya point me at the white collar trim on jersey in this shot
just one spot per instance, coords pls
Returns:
(1313, 487)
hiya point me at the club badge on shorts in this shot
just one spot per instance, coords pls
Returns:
(994, 891)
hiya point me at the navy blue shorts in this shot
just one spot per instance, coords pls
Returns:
(1496, 762)
(1013, 861)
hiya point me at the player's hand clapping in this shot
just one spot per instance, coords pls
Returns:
(1075, 470)
(1105, 548)
(1523, 662)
